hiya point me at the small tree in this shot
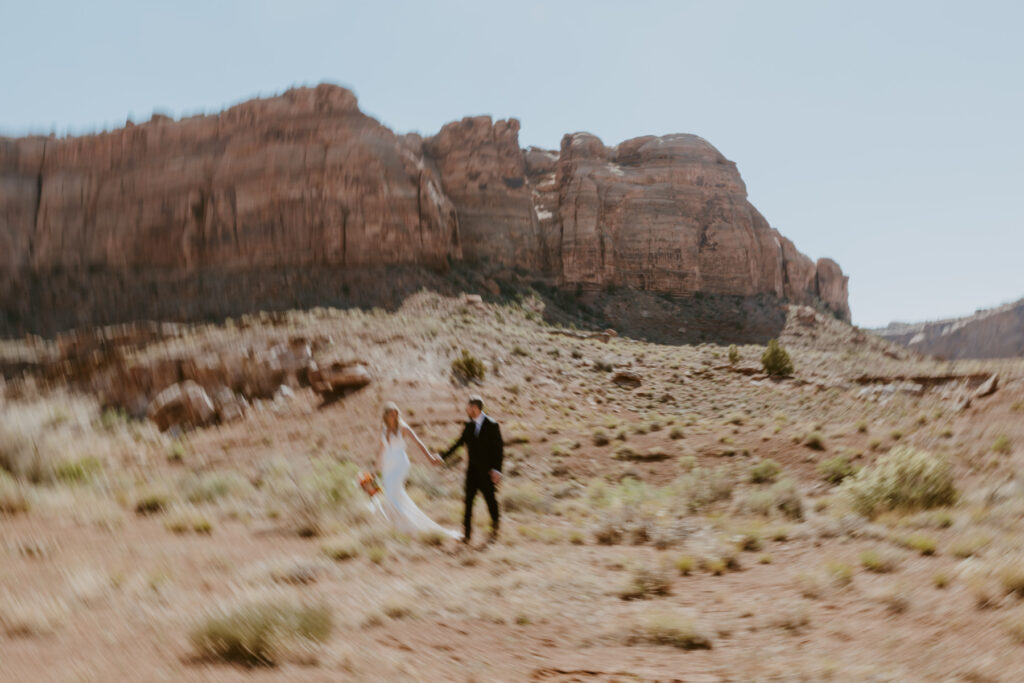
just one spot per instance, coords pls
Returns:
(776, 360)
(734, 355)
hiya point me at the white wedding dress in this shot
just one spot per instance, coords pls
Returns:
(398, 506)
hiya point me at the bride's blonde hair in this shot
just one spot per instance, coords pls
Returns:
(392, 407)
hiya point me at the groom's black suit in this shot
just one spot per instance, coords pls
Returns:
(486, 451)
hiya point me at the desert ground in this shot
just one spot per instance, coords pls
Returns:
(671, 513)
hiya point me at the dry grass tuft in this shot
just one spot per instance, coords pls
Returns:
(261, 633)
(667, 628)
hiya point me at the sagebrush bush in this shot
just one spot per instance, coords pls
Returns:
(904, 478)
(261, 633)
(670, 629)
(835, 470)
(38, 439)
(525, 497)
(734, 354)
(647, 582)
(468, 367)
(765, 471)
(776, 360)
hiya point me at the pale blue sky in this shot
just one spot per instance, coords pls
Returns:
(887, 135)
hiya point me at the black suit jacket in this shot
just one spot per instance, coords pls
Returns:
(486, 449)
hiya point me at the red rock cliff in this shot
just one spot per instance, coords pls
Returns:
(305, 180)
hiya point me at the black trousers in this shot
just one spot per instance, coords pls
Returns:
(482, 483)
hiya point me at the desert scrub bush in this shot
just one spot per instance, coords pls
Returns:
(151, 500)
(968, 545)
(734, 354)
(600, 438)
(685, 564)
(1014, 626)
(13, 500)
(341, 549)
(1002, 444)
(647, 582)
(525, 497)
(835, 470)
(261, 633)
(676, 432)
(879, 561)
(468, 368)
(782, 497)
(183, 521)
(921, 543)
(776, 361)
(27, 615)
(37, 438)
(1011, 577)
(667, 628)
(211, 486)
(904, 478)
(764, 471)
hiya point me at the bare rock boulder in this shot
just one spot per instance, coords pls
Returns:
(184, 405)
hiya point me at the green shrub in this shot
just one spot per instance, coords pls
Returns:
(734, 354)
(261, 633)
(835, 470)
(1002, 444)
(468, 367)
(904, 478)
(601, 438)
(776, 360)
(765, 471)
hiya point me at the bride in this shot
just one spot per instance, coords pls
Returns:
(393, 464)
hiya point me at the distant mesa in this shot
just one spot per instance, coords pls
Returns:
(993, 333)
(302, 200)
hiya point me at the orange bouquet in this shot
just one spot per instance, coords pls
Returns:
(368, 483)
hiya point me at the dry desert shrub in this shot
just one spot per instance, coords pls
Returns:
(905, 478)
(764, 471)
(646, 582)
(41, 438)
(669, 628)
(835, 470)
(13, 498)
(264, 632)
(27, 615)
(879, 561)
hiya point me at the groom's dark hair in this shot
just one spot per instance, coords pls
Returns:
(475, 400)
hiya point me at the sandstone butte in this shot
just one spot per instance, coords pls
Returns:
(288, 201)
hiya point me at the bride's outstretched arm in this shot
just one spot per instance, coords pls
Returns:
(412, 435)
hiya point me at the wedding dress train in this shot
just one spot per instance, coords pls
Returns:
(400, 509)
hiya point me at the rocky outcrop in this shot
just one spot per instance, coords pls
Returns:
(994, 333)
(283, 202)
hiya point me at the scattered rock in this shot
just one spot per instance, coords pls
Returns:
(987, 387)
(626, 379)
(183, 405)
(339, 377)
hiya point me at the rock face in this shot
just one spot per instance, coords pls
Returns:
(281, 202)
(995, 333)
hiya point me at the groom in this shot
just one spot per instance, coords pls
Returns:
(482, 438)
